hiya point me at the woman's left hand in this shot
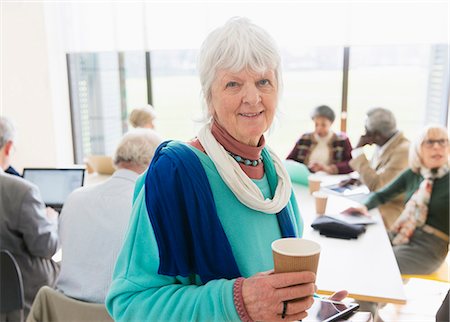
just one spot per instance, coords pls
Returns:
(316, 166)
(361, 210)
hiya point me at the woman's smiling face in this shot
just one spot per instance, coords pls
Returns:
(244, 103)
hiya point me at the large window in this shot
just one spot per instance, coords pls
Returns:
(103, 88)
(311, 77)
(176, 93)
(412, 81)
(394, 77)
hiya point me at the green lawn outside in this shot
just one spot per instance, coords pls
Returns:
(402, 89)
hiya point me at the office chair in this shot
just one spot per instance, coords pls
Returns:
(11, 288)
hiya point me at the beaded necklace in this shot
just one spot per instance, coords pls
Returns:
(242, 160)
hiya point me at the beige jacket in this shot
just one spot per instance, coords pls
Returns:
(52, 306)
(389, 165)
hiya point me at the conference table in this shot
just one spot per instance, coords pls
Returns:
(366, 267)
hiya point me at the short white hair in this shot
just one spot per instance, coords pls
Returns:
(139, 117)
(415, 150)
(236, 46)
(137, 147)
(382, 121)
(7, 131)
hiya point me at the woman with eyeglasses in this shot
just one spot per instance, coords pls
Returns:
(420, 236)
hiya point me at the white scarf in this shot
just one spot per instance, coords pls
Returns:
(245, 190)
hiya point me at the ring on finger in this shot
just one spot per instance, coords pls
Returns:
(283, 314)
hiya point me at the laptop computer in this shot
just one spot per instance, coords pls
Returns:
(55, 185)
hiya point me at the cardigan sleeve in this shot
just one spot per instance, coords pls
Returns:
(343, 166)
(293, 154)
(139, 293)
(389, 192)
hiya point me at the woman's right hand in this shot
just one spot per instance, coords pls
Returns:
(264, 294)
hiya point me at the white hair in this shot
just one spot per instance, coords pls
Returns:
(236, 46)
(7, 131)
(415, 150)
(139, 117)
(137, 147)
(381, 120)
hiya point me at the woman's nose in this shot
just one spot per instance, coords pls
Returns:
(252, 95)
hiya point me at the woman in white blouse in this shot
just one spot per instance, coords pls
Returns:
(323, 149)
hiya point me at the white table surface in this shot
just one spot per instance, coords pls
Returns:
(365, 267)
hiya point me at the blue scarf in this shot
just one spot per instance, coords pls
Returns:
(181, 208)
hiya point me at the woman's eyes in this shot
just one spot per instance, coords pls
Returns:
(232, 84)
(261, 82)
(264, 82)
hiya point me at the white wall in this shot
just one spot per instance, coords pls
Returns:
(34, 87)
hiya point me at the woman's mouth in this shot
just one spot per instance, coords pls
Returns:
(251, 115)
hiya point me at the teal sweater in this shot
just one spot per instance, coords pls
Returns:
(409, 182)
(139, 293)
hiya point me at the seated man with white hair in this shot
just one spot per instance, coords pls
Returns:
(389, 159)
(95, 218)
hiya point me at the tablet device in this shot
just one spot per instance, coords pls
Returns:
(325, 310)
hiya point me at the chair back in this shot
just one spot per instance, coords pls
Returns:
(51, 305)
(102, 164)
(11, 285)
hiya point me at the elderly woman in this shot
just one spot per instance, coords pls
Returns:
(420, 235)
(143, 117)
(206, 212)
(323, 149)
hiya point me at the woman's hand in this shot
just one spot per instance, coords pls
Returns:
(357, 211)
(317, 166)
(264, 294)
(339, 296)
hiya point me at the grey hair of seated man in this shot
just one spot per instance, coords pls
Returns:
(381, 121)
(136, 149)
(238, 45)
(7, 131)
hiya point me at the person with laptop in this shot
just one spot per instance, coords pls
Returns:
(28, 229)
(94, 220)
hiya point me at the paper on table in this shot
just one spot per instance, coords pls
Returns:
(347, 190)
(353, 219)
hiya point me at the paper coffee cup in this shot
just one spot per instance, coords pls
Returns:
(321, 202)
(295, 255)
(313, 183)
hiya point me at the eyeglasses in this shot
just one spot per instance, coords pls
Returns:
(430, 143)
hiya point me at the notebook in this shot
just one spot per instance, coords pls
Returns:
(55, 185)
